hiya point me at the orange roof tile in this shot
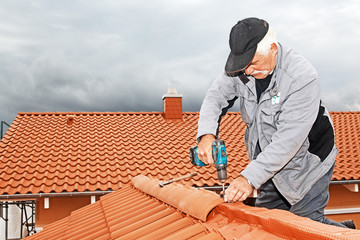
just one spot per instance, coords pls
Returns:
(146, 211)
(56, 152)
(347, 139)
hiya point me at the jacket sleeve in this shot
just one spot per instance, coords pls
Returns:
(296, 117)
(219, 98)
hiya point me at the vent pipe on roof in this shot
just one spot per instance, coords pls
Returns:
(172, 104)
(70, 119)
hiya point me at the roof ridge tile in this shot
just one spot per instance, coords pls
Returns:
(187, 199)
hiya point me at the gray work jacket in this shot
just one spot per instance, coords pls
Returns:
(290, 123)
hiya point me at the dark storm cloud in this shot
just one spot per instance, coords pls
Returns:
(124, 55)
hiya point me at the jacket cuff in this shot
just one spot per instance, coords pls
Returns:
(251, 179)
(208, 130)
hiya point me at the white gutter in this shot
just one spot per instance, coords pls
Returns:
(342, 210)
(344, 182)
(47, 195)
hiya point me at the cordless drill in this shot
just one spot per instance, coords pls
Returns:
(219, 157)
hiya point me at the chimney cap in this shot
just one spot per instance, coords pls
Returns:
(172, 92)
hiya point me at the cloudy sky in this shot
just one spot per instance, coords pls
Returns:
(81, 55)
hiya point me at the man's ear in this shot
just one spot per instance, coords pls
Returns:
(274, 48)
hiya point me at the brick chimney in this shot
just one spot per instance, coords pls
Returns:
(172, 104)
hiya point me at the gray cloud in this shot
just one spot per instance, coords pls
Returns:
(123, 55)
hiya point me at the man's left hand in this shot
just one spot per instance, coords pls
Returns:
(239, 190)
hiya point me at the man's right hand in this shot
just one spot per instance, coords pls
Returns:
(204, 150)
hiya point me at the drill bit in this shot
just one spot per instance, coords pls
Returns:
(222, 193)
(161, 184)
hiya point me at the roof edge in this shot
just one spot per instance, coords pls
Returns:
(196, 202)
(46, 195)
(350, 181)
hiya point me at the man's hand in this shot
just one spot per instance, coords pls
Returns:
(239, 190)
(204, 150)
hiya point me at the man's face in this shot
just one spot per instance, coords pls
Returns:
(262, 65)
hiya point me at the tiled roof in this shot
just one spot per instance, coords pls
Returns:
(146, 211)
(56, 152)
(347, 139)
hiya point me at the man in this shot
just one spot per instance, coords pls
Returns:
(289, 137)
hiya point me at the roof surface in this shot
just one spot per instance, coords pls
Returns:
(57, 152)
(146, 211)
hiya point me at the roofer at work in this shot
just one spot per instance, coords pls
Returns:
(289, 137)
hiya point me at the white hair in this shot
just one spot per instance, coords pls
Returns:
(264, 45)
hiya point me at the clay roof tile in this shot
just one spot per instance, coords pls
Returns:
(109, 149)
(146, 211)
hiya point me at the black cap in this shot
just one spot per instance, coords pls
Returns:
(244, 37)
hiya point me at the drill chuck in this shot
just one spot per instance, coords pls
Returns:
(221, 172)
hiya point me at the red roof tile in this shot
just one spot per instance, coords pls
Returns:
(347, 139)
(179, 195)
(139, 213)
(56, 152)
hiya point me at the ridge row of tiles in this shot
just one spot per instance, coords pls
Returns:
(184, 198)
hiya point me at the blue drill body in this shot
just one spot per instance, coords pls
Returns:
(219, 157)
